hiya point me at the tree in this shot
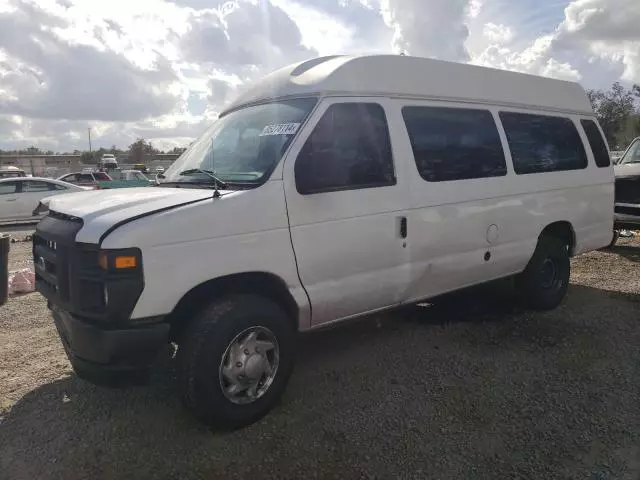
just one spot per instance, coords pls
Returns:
(87, 158)
(140, 149)
(178, 150)
(614, 109)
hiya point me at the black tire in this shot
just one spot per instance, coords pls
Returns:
(614, 240)
(544, 283)
(204, 345)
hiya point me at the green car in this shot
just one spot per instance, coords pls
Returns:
(125, 179)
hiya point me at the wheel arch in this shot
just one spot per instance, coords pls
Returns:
(562, 230)
(265, 284)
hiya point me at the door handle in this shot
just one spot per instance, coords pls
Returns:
(403, 227)
(11, 199)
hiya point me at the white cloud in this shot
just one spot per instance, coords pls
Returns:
(536, 59)
(163, 68)
(429, 28)
(131, 69)
(608, 28)
(45, 76)
(497, 33)
(475, 7)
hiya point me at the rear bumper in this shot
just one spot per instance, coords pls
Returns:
(110, 357)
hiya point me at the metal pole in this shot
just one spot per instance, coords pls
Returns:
(89, 139)
(4, 267)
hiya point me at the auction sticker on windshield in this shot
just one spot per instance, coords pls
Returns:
(280, 129)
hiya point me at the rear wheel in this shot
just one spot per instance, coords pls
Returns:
(235, 360)
(544, 283)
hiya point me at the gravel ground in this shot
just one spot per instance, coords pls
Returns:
(472, 387)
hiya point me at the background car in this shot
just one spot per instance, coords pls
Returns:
(627, 192)
(86, 179)
(11, 172)
(108, 161)
(125, 179)
(629, 163)
(20, 196)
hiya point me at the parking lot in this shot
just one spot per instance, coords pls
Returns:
(470, 387)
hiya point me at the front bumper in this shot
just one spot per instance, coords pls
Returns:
(110, 357)
(626, 216)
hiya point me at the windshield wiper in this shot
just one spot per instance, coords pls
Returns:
(218, 182)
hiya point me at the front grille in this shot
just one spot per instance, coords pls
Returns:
(69, 275)
(627, 190)
(52, 242)
(50, 260)
(627, 210)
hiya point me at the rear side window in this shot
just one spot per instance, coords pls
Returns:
(7, 188)
(101, 177)
(541, 143)
(348, 149)
(85, 177)
(596, 142)
(454, 143)
(33, 186)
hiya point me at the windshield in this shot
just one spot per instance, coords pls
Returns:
(632, 154)
(244, 146)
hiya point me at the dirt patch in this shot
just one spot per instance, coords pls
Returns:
(472, 387)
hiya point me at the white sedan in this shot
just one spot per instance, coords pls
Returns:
(19, 197)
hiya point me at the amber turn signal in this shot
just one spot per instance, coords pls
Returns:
(103, 261)
(125, 262)
(119, 262)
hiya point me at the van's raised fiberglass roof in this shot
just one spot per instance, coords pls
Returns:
(405, 76)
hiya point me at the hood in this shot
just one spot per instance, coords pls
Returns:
(101, 209)
(626, 170)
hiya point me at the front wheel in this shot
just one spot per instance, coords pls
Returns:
(236, 360)
(544, 283)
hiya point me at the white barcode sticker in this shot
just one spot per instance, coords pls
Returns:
(280, 129)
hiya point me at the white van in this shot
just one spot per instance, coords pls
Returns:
(331, 189)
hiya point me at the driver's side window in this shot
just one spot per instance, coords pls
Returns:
(348, 149)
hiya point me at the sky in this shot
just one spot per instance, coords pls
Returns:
(163, 69)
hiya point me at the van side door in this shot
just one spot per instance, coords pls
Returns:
(459, 218)
(347, 203)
